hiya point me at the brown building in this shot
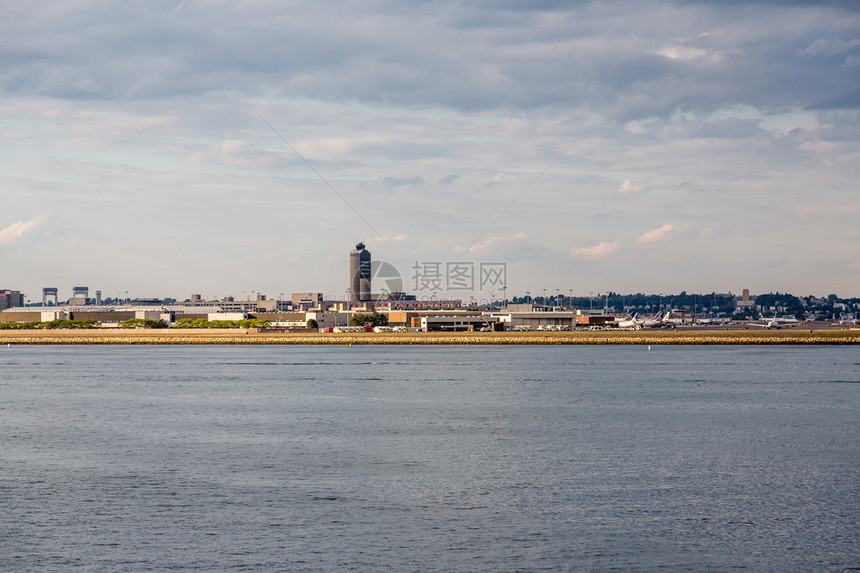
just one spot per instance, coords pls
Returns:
(23, 316)
(102, 316)
(306, 300)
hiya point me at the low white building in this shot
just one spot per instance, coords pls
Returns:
(153, 315)
(455, 323)
(49, 315)
(327, 319)
(234, 316)
(537, 320)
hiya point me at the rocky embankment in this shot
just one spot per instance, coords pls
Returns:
(180, 337)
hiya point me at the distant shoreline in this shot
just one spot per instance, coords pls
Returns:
(249, 337)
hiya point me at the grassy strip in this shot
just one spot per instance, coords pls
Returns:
(561, 338)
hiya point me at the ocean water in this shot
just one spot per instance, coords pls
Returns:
(372, 458)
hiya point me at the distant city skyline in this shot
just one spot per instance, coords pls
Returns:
(538, 297)
(166, 149)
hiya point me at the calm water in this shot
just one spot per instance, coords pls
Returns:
(429, 459)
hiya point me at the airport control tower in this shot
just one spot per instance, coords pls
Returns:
(359, 274)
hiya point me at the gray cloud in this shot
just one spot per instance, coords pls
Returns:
(401, 181)
(733, 118)
(557, 54)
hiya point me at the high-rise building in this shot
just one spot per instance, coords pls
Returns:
(49, 294)
(80, 296)
(10, 299)
(359, 274)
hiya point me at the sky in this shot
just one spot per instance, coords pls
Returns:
(230, 148)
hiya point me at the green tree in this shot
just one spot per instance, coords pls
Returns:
(253, 323)
(191, 323)
(64, 323)
(312, 323)
(142, 323)
(19, 325)
(378, 319)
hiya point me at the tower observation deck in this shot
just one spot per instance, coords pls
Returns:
(359, 274)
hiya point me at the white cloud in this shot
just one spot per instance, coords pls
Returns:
(682, 53)
(829, 46)
(233, 146)
(432, 143)
(658, 234)
(628, 187)
(597, 252)
(332, 147)
(378, 241)
(489, 242)
(501, 178)
(16, 230)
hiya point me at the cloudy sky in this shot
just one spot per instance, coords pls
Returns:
(173, 147)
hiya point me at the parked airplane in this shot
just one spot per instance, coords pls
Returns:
(659, 320)
(774, 322)
(630, 322)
